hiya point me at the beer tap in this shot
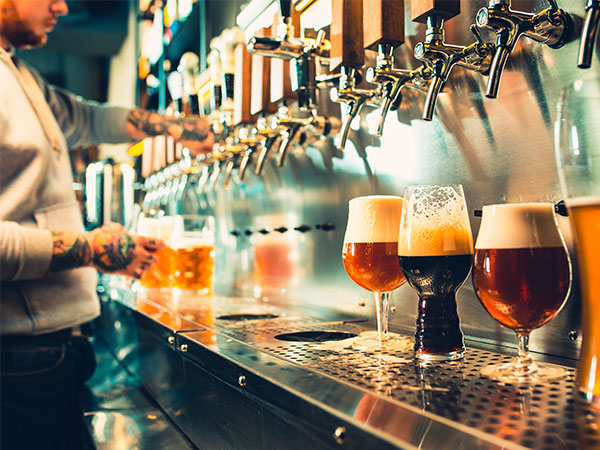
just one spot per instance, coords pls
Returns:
(552, 26)
(588, 34)
(383, 31)
(347, 54)
(441, 57)
(269, 135)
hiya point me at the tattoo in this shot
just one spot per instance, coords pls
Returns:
(69, 250)
(180, 128)
(113, 251)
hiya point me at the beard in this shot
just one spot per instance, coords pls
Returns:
(16, 30)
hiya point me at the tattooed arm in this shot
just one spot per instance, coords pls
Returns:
(110, 249)
(192, 131)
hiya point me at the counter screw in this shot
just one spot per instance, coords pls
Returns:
(183, 348)
(242, 380)
(171, 339)
(339, 435)
(361, 304)
(392, 309)
(573, 335)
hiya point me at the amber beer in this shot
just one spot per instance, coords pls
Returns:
(193, 267)
(435, 252)
(370, 247)
(160, 275)
(585, 217)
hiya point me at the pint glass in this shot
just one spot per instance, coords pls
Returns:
(159, 276)
(577, 146)
(436, 251)
(193, 242)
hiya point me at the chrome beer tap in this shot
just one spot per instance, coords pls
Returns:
(588, 34)
(391, 80)
(552, 26)
(268, 135)
(441, 58)
(354, 98)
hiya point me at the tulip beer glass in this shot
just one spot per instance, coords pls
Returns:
(435, 249)
(194, 242)
(370, 251)
(577, 145)
(522, 276)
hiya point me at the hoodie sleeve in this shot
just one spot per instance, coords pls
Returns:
(25, 252)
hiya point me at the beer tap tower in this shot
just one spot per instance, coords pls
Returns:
(441, 57)
(552, 26)
(303, 53)
(383, 32)
(588, 34)
(347, 55)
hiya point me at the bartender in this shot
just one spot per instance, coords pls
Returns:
(48, 263)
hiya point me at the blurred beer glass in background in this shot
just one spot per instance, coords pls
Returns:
(522, 276)
(577, 146)
(160, 276)
(436, 251)
(193, 242)
(370, 252)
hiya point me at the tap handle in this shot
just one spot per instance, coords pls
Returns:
(383, 23)
(285, 8)
(346, 34)
(475, 30)
(588, 34)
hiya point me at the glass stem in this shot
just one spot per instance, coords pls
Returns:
(523, 360)
(382, 307)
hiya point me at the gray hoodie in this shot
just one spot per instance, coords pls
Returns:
(36, 196)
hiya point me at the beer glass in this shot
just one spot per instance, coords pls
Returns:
(522, 277)
(159, 276)
(370, 251)
(577, 145)
(435, 249)
(193, 241)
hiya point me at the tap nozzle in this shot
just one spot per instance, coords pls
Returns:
(291, 126)
(441, 58)
(353, 98)
(588, 34)
(552, 26)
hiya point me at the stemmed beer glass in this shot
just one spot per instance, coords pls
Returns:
(522, 276)
(370, 251)
(436, 251)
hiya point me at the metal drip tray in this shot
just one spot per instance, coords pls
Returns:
(314, 336)
(242, 317)
(537, 416)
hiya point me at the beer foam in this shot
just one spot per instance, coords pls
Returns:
(518, 225)
(373, 218)
(589, 200)
(435, 222)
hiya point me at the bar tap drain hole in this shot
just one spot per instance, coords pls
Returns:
(240, 317)
(315, 336)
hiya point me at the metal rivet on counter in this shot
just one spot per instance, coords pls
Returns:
(392, 309)
(339, 435)
(242, 380)
(171, 339)
(183, 347)
(573, 335)
(361, 304)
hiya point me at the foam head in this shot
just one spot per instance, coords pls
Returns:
(435, 222)
(518, 225)
(374, 218)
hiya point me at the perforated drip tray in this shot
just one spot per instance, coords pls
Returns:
(241, 317)
(537, 416)
(315, 336)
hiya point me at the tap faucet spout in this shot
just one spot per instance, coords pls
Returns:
(588, 34)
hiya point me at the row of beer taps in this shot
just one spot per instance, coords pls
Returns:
(238, 143)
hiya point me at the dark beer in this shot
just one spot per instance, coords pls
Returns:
(522, 288)
(373, 265)
(436, 280)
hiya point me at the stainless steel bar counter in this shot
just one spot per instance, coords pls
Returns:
(241, 373)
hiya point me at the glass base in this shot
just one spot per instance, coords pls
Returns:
(515, 373)
(435, 357)
(370, 341)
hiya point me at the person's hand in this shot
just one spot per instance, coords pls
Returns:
(116, 251)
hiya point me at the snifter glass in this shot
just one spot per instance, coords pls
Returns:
(577, 145)
(522, 276)
(370, 251)
(436, 251)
